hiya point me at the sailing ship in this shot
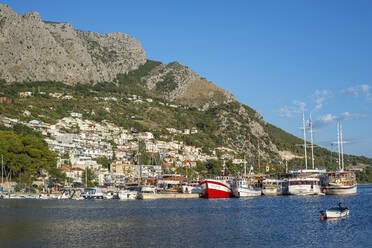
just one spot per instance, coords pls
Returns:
(341, 182)
(306, 182)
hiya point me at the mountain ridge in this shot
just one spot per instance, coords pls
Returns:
(57, 47)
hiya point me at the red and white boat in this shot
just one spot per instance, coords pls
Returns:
(216, 188)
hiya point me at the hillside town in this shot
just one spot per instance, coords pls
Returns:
(78, 144)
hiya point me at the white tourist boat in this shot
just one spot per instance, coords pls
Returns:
(147, 192)
(129, 194)
(245, 188)
(341, 182)
(304, 186)
(93, 194)
(272, 187)
(192, 187)
(308, 181)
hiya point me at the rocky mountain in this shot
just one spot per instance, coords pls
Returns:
(34, 50)
(52, 57)
(178, 83)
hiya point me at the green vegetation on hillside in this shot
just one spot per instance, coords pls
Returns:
(365, 176)
(27, 157)
(89, 178)
(124, 102)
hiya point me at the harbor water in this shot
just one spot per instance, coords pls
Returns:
(281, 221)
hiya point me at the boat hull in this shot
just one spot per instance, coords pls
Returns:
(215, 189)
(334, 213)
(304, 186)
(272, 191)
(244, 192)
(191, 190)
(128, 195)
(304, 190)
(341, 190)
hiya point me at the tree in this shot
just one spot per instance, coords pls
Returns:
(89, 178)
(104, 161)
(232, 169)
(26, 157)
(214, 167)
(57, 175)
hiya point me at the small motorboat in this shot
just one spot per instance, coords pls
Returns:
(333, 213)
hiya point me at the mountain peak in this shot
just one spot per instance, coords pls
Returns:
(36, 50)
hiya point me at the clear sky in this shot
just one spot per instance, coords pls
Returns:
(274, 56)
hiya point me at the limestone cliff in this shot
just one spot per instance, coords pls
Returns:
(180, 84)
(34, 50)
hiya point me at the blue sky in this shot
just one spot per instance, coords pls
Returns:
(274, 56)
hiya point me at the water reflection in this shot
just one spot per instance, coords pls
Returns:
(262, 222)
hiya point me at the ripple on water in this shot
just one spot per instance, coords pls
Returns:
(263, 222)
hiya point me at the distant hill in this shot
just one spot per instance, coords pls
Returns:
(89, 70)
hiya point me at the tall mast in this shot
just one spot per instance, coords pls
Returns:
(258, 152)
(342, 149)
(312, 143)
(184, 155)
(338, 145)
(138, 161)
(245, 168)
(303, 125)
(2, 172)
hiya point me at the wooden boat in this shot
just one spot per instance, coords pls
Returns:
(341, 182)
(334, 213)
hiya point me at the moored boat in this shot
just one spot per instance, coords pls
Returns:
(306, 182)
(216, 188)
(341, 183)
(192, 187)
(334, 213)
(131, 193)
(304, 186)
(272, 187)
(93, 194)
(246, 188)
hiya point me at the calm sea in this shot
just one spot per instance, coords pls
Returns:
(284, 221)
